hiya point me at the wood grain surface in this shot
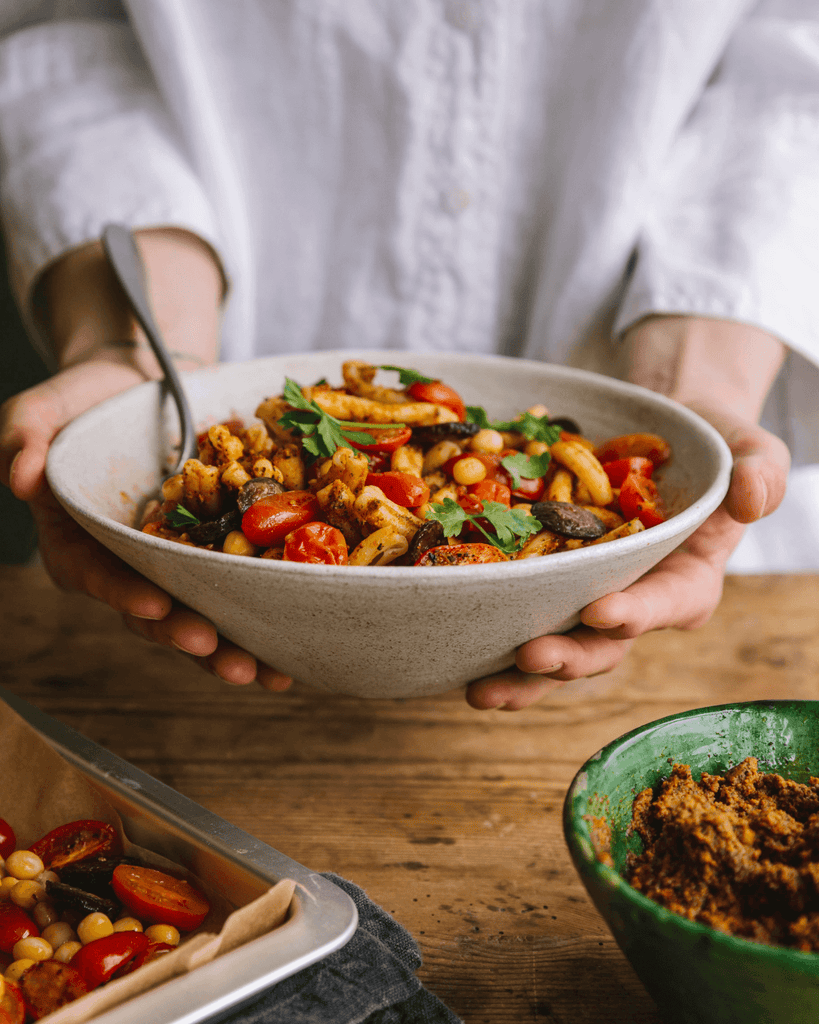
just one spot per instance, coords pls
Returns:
(447, 817)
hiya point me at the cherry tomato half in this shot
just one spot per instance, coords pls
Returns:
(97, 961)
(618, 469)
(8, 840)
(75, 841)
(12, 1007)
(15, 924)
(159, 898)
(649, 446)
(269, 520)
(461, 554)
(639, 500)
(529, 488)
(439, 393)
(491, 490)
(318, 543)
(48, 985)
(385, 440)
(152, 951)
(404, 489)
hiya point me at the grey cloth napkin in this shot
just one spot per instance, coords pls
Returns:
(370, 980)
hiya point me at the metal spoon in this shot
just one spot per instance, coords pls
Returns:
(123, 255)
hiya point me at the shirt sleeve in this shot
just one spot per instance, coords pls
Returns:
(732, 228)
(84, 140)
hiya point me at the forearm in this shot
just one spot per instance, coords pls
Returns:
(85, 315)
(705, 362)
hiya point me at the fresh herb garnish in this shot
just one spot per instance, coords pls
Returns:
(535, 428)
(513, 526)
(321, 432)
(529, 466)
(407, 377)
(181, 519)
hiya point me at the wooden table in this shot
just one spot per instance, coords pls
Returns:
(448, 817)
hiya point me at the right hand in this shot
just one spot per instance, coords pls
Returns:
(94, 371)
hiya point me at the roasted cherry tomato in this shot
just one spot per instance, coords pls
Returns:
(649, 446)
(439, 393)
(529, 489)
(386, 440)
(269, 520)
(15, 924)
(639, 500)
(8, 840)
(618, 469)
(462, 554)
(98, 961)
(404, 489)
(160, 898)
(75, 841)
(48, 985)
(491, 490)
(316, 542)
(12, 1007)
(152, 951)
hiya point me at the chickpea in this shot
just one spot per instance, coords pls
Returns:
(58, 933)
(127, 924)
(487, 441)
(47, 876)
(163, 933)
(17, 968)
(536, 448)
(468, 471)
(6, 885)
(64, 952)
(28, 893)
(23, 864)
(32, 948)
(538, 410)
(237, 544)
(94, 926)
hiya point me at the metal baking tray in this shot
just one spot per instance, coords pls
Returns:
(158, 818)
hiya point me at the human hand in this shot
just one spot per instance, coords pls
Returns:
(684, 589)
(87, 314)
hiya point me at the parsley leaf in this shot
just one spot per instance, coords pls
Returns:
(512, 526)
(406, 377)
(535, 428)
(529, 466)
(181, 519)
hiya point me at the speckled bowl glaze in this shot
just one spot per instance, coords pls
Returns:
(695, 974)
(391, 631)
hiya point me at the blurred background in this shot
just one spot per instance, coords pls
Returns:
(20, 368)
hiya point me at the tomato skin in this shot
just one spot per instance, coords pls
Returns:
(490, 490)
(440, 394)
(269, 520)
(404, 489)
(12, 1006)
(529, 488)
(461, 554)
(639, 499)
(8, 840)
(160, 898)
(75, 841)
(48, 984)
(317, 543)
(649, 446)
(618, 469)
(97, 961)
(385, 440)
(15, 924)
(151, 952)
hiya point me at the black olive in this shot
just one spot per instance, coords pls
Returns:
(566, 424)
(93, 874)
(250, 492)
(435, 432)
(215, 529)
(430, 535)
(70, 896)
(568, 520)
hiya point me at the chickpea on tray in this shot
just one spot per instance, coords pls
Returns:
(366, 474)
(75, 914)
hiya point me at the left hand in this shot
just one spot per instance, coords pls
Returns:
(684, 589)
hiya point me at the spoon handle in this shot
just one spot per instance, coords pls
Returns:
(124, 257)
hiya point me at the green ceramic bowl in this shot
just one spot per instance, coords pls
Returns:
(695, 974)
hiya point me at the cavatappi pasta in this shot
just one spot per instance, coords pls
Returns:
(365, 474)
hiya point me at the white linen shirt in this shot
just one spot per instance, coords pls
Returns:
(526, 177)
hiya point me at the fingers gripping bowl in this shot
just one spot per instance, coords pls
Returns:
(385, 631)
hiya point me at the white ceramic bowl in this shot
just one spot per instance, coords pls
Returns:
(391, 631)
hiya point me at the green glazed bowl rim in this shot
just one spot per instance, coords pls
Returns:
(579, 840)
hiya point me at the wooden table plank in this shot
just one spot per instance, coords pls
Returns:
(449, 818)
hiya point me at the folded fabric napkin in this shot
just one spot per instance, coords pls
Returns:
(370, 980)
